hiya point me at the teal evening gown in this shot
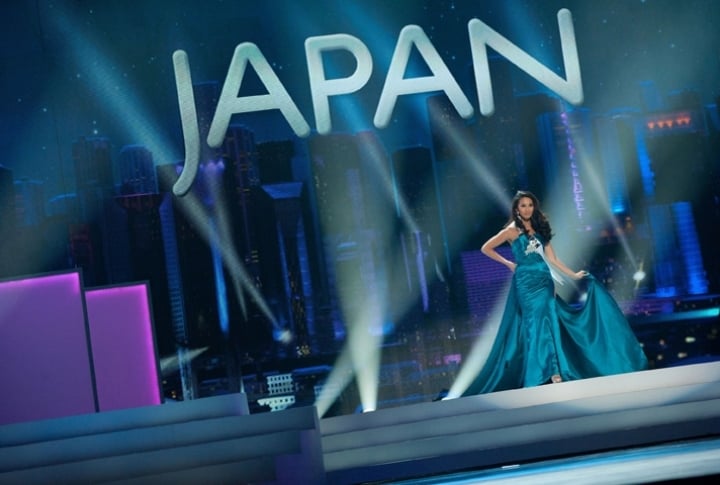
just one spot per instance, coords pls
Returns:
(541, 335)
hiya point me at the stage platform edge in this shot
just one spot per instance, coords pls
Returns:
(524, 425)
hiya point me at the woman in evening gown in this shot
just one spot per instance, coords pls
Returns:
(541, 338)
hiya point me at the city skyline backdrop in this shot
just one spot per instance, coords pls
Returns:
(286, 246)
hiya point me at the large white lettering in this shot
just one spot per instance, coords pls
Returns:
(321, 88)
(482, 36)
(396, 85)
(276, 98)
(188, 118)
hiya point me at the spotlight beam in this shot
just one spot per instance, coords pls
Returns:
(194, 209)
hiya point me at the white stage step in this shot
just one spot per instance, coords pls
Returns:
(213, 438)
(504, 428)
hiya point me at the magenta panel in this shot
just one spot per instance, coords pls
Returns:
(123, 347)
(45, 367)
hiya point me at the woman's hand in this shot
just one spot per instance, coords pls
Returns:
(580, 274)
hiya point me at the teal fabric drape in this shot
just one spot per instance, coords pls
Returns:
(541, 335)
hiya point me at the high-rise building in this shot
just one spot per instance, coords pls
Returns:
(283, 164)
(349, 242)
(275, 161)
(146, 261)
(29, 202)
(38, 243)
(93, 163)
(618, 158)
(529, 108)
(212, 258)
(136, 170)
(7, 221)
(190, 274)
(422, 243)
(206, 100)
(98, 240)
(570, 168)
(286, 263)
(678, 149)
(474, 161)
(240, 181)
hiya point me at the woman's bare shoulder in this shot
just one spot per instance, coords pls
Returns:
(510, 232)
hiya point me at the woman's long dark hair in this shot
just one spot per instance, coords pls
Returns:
(538, 221)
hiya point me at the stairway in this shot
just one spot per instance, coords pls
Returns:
(209, 440)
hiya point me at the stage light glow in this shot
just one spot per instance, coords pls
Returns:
(639, 275)
(380, 44)
(360, 341)
(478, 167)
(480, 350)
(583, 163)
(483, 174)
(195, 210)
(170, 365)
(570, 251)
(222, 237)
(365, 321)
(111, 89)
(340, 376)
(283, 336)
(360, 356)
(363, 289)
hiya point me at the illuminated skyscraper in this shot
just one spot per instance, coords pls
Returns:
(275, 161)
(29, 202)
(136, 170)
(285, 260)
(98, 240)
(240, 181)
(475, 161)
(423, 245)
(206, 99)
(571, 171)
(343, 196)
(678, 150)
(618, 154)
(146, 260)
(529, 108)
(7, 220)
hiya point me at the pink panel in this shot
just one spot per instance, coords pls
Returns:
(123, 346)
(44, 360)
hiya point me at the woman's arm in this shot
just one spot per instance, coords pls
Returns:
(553, 259)
(488, 249)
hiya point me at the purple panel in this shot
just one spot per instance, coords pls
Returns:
(123, 347)
(44, 361)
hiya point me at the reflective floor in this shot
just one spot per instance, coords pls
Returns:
(684, 461)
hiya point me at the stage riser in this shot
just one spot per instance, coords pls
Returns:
(259, 448)
(126, 419)
(576, 418)
(525, 443)
(213, 441)
(493, 420)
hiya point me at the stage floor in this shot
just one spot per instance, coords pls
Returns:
(641, 427)
(698, 459)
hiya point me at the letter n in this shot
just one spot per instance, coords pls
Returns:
(482, 36)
